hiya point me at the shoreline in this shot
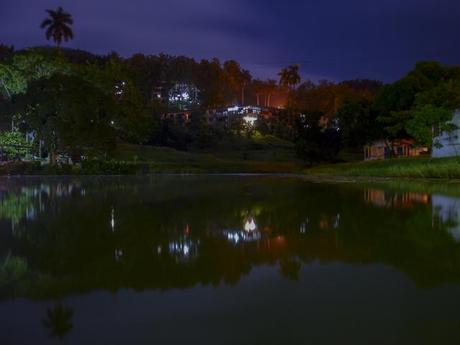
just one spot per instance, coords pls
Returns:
(305, 176)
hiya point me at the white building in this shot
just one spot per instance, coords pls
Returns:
(449, 141)
(447, 210)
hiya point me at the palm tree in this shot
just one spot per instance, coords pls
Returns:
(237, 78)
(58, 26)
(270, 88)
(58, 320)
(289, 76)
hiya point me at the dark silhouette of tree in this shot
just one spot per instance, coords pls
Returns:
(290, 268)
(58, 26)
(289, 76)
(270, 89)
(58, 320)
(237, 78)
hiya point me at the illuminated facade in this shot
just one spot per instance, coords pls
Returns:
(449, 142)
(183, 96)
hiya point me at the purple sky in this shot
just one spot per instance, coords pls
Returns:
(333, 39)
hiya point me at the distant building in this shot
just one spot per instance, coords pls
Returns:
(178, 118)
(449, 141)
(250, 114)
(382, 149)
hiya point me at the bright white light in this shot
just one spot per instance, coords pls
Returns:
(250, 225)
(112, 220)
(118, 254)
(186, 249)
(250, 120)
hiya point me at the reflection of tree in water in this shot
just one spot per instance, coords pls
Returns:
(26, 203)
(289, 224)
(15, 206)
(290, 268)
(58, 320)
(12, 268)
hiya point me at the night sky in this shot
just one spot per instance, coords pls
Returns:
(330, 39)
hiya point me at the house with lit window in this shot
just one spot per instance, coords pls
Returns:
(384, 149)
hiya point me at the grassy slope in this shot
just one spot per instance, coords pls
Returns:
(260, 154)
(448, 168)
(272, 155)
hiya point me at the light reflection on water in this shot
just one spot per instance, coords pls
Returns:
(62, 238)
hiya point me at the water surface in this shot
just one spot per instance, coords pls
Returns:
(227, 260)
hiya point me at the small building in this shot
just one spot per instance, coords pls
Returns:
(178, 118)
(447, 144)
(383, 149)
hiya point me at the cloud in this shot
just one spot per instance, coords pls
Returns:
(332, 38)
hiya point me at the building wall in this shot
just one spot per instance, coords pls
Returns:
(450, 141)
(401, 148)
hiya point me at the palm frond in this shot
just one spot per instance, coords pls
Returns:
(46, 23)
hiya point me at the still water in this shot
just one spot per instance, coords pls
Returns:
(227, 260)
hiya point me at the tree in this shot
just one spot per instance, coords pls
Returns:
(132, 115)
(14, 144)
(258, 88)
(237, 79)
(58, 320)
(270, 87)
(26, 67)
(58, 26)
(426, 122)
(421, 103)
(358, 124)
(5, 52)
(290, 77)
(199, 130)
(314, 143)
(211, 83)
(69, 114)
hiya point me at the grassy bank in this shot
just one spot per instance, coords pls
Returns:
(441, 168)
(261, 154)
(264, 154)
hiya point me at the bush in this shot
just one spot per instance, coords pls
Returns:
(20, 168)
(112, 167)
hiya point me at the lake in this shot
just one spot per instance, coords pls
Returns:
(228, 260)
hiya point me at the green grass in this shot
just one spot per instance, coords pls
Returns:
(442, 168)
(260, 154)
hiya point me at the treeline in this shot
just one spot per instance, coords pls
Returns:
(76, 101)
(79, 103)
(419, 107)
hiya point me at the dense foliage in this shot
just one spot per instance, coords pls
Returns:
(78, 103)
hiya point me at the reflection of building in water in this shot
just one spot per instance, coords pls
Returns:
(381, 198)
(446, 210)
(325, 222)
(237, 236)
(249, 232)
(118, 254)
(183, 249)
(250, 225)
(112, 219)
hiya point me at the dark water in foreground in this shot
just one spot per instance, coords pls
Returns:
(226, 260)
